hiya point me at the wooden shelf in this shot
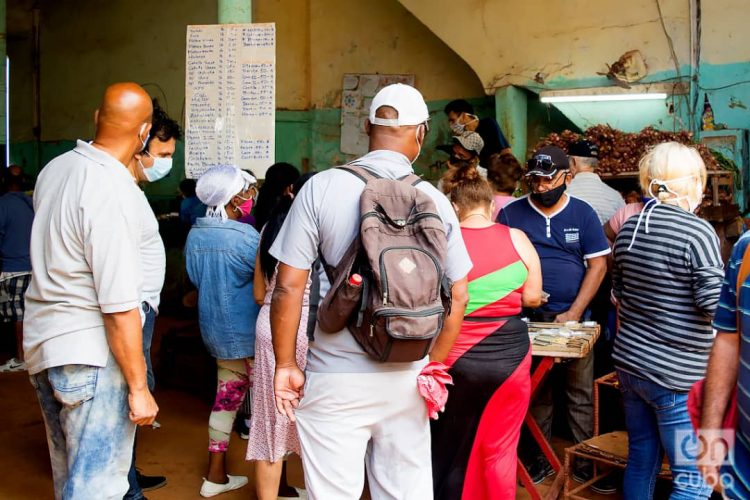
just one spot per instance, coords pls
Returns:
(632, 175)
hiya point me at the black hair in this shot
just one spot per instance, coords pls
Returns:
(459, 106)
(162, 126)
(12, 179)
(273, 226)
(278, 177)
(187, 187)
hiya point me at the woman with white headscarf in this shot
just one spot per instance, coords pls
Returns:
(220, 258)
(666, 277)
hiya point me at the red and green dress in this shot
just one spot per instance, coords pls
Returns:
(475, 441)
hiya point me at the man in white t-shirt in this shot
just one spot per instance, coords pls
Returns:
(82, 329)
(355, 412)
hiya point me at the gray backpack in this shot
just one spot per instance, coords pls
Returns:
(398, 310)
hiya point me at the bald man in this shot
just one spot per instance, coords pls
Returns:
(82, 328)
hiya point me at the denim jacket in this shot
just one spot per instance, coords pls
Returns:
(220, 259)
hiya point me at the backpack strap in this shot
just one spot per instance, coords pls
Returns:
(412, 179)
(360, 172)
(365, 174)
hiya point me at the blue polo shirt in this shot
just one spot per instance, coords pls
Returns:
(16, 217)
(725, 322)
(563, 240)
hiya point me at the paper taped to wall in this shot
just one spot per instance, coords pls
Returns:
(230, 98)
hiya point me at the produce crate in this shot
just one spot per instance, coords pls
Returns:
(733, 145)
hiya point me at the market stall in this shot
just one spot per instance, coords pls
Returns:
(620, 152)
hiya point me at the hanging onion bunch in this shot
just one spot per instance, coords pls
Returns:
(620, 152)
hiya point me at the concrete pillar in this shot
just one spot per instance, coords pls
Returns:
(511, 111)
(235, 11)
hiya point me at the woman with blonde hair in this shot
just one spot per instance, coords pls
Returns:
(474, 443)
(667, 276)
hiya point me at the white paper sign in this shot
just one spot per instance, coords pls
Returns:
(230, 98)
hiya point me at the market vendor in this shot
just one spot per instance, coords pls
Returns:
(573, 250)
(461, 118)
(465, 148)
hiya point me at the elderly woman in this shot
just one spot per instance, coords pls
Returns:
(220, 257)
(667, 276)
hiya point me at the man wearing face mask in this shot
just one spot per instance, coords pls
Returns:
(461, 118)
(572, 247)
(151, 165)
(82, 328)
(155, 161)
(357, 411)
(465, 148)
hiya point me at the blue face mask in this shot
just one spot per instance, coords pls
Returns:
(158, 170)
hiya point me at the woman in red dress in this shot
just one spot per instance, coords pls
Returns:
(474, 443)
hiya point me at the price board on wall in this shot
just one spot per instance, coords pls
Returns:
(230, 98)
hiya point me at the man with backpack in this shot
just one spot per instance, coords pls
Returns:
(392, 247)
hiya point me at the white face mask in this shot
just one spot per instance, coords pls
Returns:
(144, 142)
(693, 204)
(649, 207)
(459, 128)
(158, 170)
(416, 137)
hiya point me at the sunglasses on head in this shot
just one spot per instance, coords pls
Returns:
(535, 164)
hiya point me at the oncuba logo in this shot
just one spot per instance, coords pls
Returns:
(691, 448)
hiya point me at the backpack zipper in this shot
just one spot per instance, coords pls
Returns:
(416, 218)
(384, 275)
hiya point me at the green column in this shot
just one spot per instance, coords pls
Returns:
(511, 111)
(235, 11)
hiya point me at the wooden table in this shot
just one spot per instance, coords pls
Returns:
(553, 348)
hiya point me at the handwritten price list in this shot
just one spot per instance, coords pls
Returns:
(230, 97)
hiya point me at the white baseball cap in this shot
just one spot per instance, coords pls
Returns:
(406, 100)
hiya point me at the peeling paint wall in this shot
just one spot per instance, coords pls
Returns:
(511, 42)
(318, 41)
(544, 44)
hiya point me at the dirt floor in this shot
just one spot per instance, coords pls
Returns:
(176, 450)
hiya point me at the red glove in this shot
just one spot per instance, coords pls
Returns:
(431, 383)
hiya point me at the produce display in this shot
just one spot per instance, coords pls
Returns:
(619, 152)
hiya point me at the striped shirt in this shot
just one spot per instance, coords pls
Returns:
(668, 287)
(591, 189)
(726, 321)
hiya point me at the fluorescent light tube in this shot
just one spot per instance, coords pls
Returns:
(604, 97)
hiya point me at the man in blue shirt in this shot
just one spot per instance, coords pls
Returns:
(729, 368)
(16, 216)
(572, 247)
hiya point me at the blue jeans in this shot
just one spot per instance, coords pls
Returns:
(90, 437)
(134, 492)
(656, 418)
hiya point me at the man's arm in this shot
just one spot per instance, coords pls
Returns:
(286, 311)
(452, 324)
(597, 268)
(721, 378)
(125, 338)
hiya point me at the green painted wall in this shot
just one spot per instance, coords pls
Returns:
(303, 138)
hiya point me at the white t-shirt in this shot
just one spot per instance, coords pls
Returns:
(325, 217)
(89, 225)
